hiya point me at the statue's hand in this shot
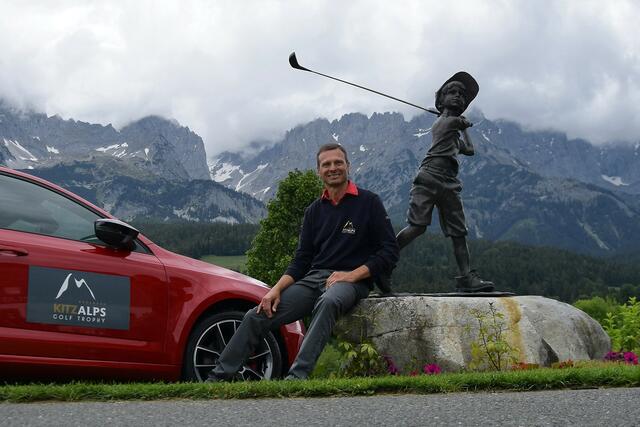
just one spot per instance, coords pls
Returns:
(464, 122)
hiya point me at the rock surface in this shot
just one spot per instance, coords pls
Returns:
(415, 330)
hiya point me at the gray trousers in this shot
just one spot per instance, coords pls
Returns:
(306, 296)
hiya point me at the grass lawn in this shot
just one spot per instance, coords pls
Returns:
(604, 375)
(233, 262)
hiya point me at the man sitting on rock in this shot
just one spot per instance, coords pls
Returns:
(437, 183)
(345, 241)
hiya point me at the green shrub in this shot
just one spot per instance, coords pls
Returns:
(491, 350)
(360, 360)
(275, 244)
(598, 307)
(624, 327)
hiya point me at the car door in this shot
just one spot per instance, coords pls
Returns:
(63, 293)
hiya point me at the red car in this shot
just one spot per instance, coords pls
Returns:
(84, 295)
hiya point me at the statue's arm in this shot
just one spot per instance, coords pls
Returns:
(466, 146)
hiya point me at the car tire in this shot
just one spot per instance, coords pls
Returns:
(211, 335)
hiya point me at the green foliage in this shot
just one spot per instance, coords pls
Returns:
(274, 246)
(491, 350)
(624, 327)
(195, 239)
(598, 307)
(360, 360)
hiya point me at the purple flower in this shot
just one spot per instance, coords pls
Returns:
(392, 369)
(614, 356)
(431, 369)
(631, 358)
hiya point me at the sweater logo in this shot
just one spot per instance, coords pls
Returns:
(348, 228)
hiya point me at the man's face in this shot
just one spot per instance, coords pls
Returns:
(454, 97)
(333, 168)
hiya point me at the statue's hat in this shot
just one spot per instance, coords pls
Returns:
(470, 84)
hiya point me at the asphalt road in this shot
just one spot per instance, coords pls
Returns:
(602, 407)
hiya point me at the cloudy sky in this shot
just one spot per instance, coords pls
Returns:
(220, 67)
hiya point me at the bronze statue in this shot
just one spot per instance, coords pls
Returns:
(437, 183)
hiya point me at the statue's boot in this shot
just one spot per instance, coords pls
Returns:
(473, 283)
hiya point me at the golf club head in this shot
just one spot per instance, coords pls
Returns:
(293, 61)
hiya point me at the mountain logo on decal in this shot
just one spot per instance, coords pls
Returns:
(79, 284)
(348, 228)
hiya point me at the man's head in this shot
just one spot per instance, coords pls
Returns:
(333, 165)
(465, 86)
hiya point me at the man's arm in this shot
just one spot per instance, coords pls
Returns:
(386, 256)
(301, 262)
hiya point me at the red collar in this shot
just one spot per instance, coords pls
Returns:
(351, 189)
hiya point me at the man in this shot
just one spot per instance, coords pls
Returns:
(346, 240)
(437, 183)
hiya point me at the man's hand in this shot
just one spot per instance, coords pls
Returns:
(269, 303)
(339, 276)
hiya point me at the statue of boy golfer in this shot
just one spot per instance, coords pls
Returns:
(437, 183)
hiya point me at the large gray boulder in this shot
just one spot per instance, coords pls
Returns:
(414, 330)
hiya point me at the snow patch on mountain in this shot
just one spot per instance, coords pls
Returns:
(250, 177)
(53, 150)
(225, 172)
(615, 180)
(18, 151)
(225, 219)
(421, 132)
(112, 147)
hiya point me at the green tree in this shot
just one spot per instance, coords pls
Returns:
(274, 246)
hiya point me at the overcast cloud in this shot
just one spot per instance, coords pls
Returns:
(220, 67)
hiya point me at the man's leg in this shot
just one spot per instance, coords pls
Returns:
(333, 303)
(296, 302)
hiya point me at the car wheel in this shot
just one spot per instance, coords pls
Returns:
(210, 337)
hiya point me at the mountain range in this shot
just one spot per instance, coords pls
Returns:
(535, 187)
(152, 169)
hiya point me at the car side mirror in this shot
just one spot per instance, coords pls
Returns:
(115, 233)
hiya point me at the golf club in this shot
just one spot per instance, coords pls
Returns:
(294, 63)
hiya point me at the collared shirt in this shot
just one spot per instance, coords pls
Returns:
(351, 189)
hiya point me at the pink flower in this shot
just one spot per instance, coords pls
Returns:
(431, 369)
(631, 358)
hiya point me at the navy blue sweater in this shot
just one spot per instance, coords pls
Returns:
(343, 237)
